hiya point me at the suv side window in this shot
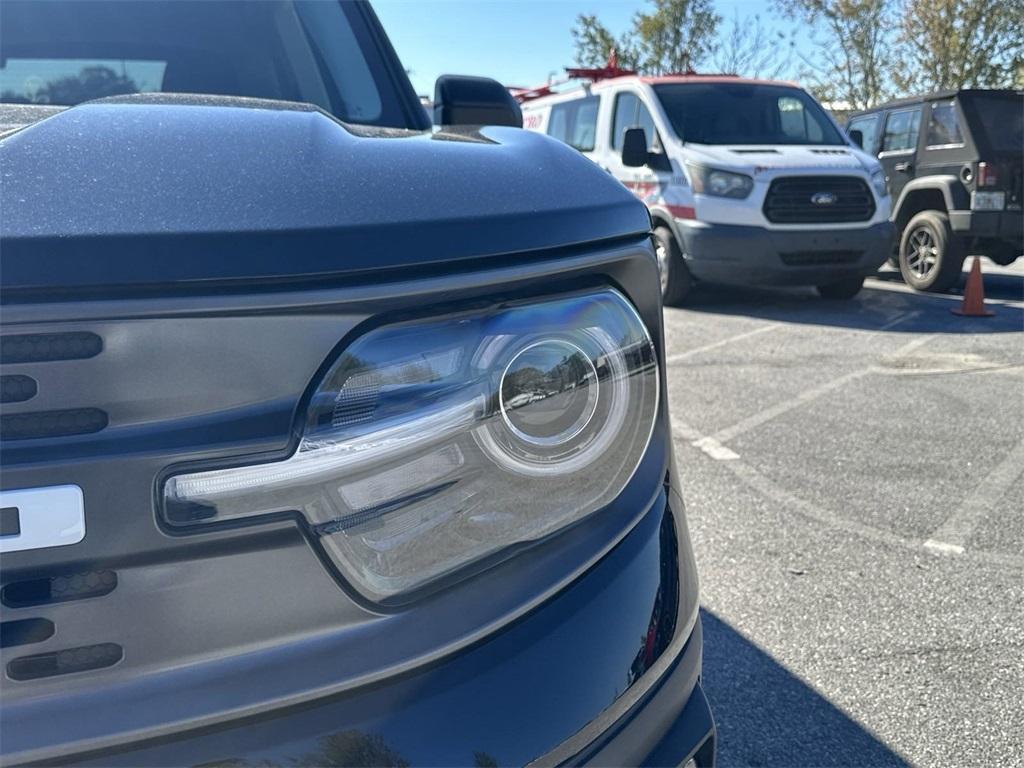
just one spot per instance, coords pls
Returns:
(575, 122)
(630, 112)
(868, 126)
(901, 129)
(944, 126)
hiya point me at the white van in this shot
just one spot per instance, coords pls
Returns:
(747, 181)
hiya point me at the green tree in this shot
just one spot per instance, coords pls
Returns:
(676, 35)
(594, 43)
(746, 47)
(673, 36)
(854, 40)
(961, 44)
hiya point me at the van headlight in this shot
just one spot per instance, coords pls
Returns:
(711, 181)
(432, 443)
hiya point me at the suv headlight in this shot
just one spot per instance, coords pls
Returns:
(878, 182)
(710, 181)
(432, 443)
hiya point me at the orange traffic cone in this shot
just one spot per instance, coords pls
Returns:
(974, 294)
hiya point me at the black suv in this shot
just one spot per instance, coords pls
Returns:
(953, 162)
(327, 438)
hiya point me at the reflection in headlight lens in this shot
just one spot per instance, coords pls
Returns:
(549, 392)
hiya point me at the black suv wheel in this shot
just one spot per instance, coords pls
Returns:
(676, 281)
(931, 257)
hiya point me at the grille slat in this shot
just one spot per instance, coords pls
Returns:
(17, 388)
(29, 426)
(819, 258)
(789, 200)
(48, 347)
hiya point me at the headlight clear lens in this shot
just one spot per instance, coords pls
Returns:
(434, 443)
(709, 181)
(878, 182)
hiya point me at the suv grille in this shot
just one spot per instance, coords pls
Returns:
(791, 200)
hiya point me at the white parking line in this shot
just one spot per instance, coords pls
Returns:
(679, 356)
(943, 548)
(708, 445)
(953, 535)
(757, 419)
(715, 449)
(900, 318)
(881, 285)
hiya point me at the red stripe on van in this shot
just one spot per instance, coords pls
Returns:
(682, 211)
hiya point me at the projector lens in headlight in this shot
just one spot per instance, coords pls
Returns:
(433, 443)
(549, 392)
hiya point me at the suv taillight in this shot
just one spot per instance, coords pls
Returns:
(987, 176)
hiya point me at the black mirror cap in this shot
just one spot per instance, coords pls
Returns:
(465, 100)
(857, 137)
(634, 148)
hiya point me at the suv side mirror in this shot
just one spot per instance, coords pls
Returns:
(857, 137)
(634, 148)
(464, 100)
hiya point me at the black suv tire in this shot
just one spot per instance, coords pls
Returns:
(931, 257)
(676, 281)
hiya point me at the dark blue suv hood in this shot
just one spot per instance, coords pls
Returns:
(142, 190)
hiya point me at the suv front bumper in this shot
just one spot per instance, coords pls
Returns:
(746, 255)
(578, 680)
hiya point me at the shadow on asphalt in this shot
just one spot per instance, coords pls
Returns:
(768, 717)
(872, 309)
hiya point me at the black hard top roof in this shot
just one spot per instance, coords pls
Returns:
(936, 96)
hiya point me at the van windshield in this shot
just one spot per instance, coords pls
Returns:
(65, 52)
(745, 113)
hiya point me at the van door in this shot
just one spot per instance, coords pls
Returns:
(629, 111)
(899, 147)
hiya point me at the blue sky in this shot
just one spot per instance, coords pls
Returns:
(518, 42)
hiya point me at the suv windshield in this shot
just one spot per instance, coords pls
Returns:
(745, 113)
(65, 52)
(1001, 118)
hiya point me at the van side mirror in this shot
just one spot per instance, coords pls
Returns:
(464, 100)
(857, 137)
(634, 148)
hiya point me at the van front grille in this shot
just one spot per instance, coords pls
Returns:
(819, 258)
(818, 200)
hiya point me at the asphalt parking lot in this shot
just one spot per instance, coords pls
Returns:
(854, 475)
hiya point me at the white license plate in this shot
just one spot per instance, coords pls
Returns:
(36, 518)
(988, 201)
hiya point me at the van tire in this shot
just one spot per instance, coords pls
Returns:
(676, 281)
(843, 289)
(930, 231)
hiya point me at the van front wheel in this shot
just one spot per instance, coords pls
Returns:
(676, 281)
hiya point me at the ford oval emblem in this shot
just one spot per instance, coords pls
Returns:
(823, 198)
